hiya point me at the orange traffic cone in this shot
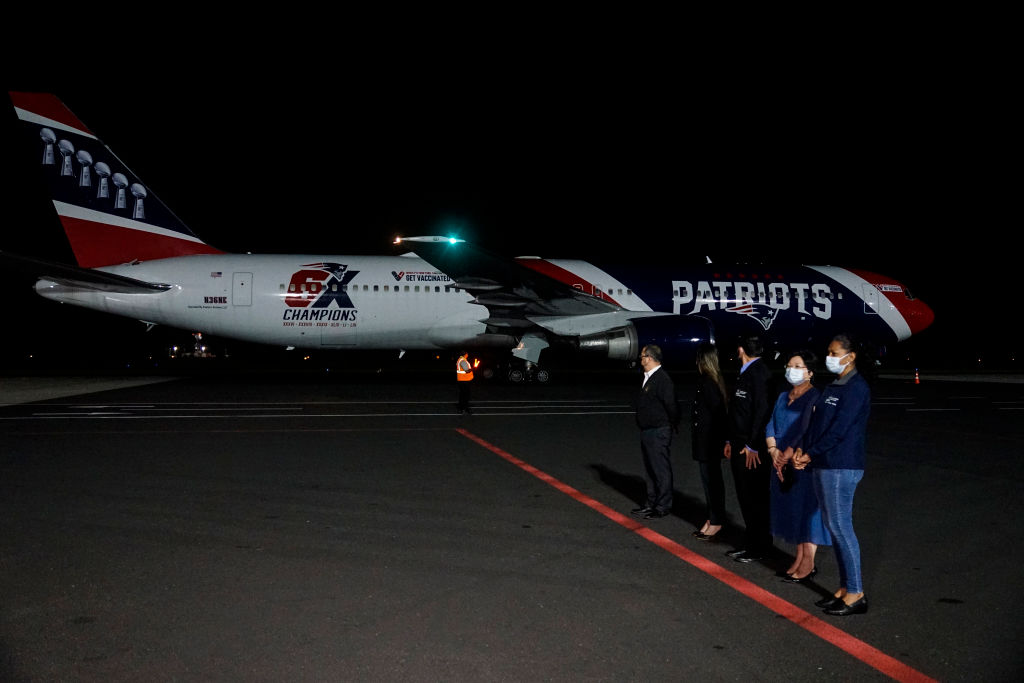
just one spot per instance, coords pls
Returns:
(917, 377)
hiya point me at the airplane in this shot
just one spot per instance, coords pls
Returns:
(136, 259)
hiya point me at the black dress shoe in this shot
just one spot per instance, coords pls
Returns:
(792, 578)
(706, 537)
(640, 512)
(829, 601)
(657, 514)
(747, 556)
(734, 553)
(842, 609)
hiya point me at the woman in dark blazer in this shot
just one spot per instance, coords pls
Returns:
(709, 427)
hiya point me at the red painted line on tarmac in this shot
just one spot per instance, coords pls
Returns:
(871, 656)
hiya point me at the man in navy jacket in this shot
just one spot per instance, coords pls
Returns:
(749, 412)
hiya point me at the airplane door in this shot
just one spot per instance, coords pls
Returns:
(870, 299)
(241, 289)
(342, 333)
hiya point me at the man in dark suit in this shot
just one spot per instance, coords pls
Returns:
(657, 416)
(749, 412)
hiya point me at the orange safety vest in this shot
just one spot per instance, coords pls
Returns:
(463, 374)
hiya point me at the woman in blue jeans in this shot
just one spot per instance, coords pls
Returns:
(835, 444)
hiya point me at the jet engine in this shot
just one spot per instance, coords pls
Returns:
(677, 335)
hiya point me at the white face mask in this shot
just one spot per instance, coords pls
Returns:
(795, 376)
(833, 364)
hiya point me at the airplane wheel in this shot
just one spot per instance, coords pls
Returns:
(516, 376)
(542, 376)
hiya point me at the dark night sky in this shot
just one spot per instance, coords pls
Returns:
(882, 166)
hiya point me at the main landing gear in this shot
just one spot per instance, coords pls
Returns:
(528, 372)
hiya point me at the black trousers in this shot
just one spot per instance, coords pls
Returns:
(752, 491)
(655, 445)
(714, 490)
(464, 395)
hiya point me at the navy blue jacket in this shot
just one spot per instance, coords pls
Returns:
(835, 438)
(750, 408)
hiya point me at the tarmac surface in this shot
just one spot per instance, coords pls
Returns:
(355, 528)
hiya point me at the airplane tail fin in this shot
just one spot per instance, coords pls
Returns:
(108, 215)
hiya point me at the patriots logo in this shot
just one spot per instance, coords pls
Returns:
(318, 288)
(398, 276)
(762, 313)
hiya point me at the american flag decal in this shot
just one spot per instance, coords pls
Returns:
(215, 273)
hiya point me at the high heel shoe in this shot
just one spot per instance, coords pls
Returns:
(703, 530)
(706, 537)
(842, 609)
(793, 578)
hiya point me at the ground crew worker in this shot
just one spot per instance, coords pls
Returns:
(464, 375)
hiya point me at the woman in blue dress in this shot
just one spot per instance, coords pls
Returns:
(795, 516)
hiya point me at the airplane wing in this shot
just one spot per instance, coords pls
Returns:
(519, 300)
(509, 290)
(81, 278)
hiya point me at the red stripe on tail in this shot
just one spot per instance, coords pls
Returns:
(45, 104)
(101, 244)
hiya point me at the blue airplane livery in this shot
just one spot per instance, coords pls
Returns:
(135, 258)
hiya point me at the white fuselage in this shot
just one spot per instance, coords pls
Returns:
(378, 302)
